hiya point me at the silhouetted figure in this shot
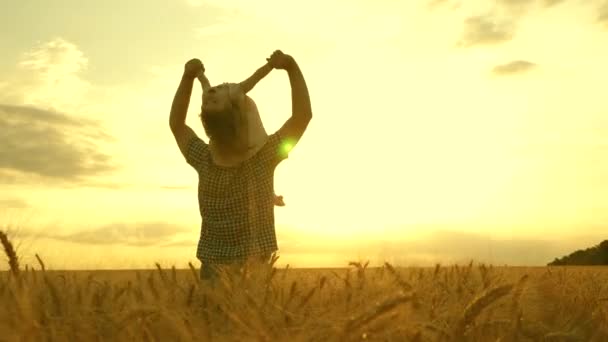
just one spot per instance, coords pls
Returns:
(236, 99)
(236, 202)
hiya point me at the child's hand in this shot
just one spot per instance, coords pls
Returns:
(278, 201)
(193, 67)
(279, 60)
(201, 75)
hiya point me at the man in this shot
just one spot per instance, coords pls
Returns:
(236, 203)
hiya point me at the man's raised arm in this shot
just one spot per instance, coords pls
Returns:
(301, 111)
(181, 101)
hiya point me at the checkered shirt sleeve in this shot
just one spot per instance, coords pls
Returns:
(196, 152)
(274, 151)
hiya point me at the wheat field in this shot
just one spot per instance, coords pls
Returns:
(473, 302)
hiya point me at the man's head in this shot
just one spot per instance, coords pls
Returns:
(223, 120)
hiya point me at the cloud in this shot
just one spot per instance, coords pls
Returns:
(603, 14)
(182, 243)
(54, 58)
(48, 77)
(13, 203)
(230, 4)
(176, 187)
(486, 30)
(551, 3)
(48, 143)
(522, 6)
(434, 4)
(134, 234)
(39, 141)
(216, 29)
(500, 24)
(443, 246)
(513, 67)
(515, 5)
(195, 3)
(437, 246)
(32, 114)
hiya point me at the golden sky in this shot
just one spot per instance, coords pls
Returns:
(443, 130)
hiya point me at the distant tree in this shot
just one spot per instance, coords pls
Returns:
(604, 252)
(555, 262)
(596, 255)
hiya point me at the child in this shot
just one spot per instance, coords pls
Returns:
(237, 93)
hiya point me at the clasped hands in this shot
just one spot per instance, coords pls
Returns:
(278, 60)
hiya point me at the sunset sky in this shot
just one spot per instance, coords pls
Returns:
(443, 130)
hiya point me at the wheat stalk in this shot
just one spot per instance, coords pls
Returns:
(40, 262)
(273, 259)
(292, 293)
(322, 282)
(477, 305)
(562, 336)
(402, 283)
(153, 287)
(380, 309)
(13, 302)
(54, 295)
(437, 330)
(194, 273)
(190, 295)
(517, 293)
(140, 314)
(307, 298)
(13, 261)
(437, 270)
(162, 274)
(515, 306)
(120, 292)
(173, 274)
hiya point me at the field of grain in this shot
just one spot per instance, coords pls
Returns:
(473, 302)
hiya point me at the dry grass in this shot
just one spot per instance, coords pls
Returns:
(263, 303)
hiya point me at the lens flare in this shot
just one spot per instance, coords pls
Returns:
(286, 147)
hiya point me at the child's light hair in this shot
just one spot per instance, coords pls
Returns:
(225, 126)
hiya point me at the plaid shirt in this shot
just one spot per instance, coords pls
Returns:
(236, 203)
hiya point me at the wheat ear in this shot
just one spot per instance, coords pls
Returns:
(13, 261)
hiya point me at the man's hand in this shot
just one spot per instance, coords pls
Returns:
(301, 111)
(279, 60)
(181, 101)
(193, 68)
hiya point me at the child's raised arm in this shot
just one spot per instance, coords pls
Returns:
(204, 81)
(249, 83)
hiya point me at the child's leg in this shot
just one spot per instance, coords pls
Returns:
(256, 131)
(204, 82)
(257, 135)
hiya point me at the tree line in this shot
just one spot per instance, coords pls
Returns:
(596, 255)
